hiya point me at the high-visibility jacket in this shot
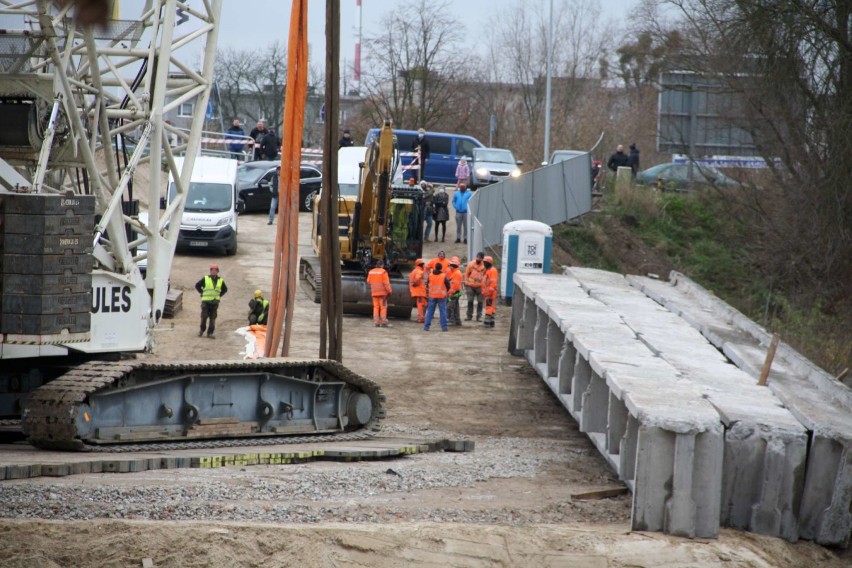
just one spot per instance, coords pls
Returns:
(445, 264)
(211, 292)
(417, 283)
(438, 285)
(491, 281)
(379, 282)
(264, 309)
(456, 280)
(474, 274)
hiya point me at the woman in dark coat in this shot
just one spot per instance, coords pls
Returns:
(440, 202)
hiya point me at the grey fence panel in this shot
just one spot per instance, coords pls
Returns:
(552, 195)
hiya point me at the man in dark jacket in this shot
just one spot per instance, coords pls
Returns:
(257, 134)
(271, 145)
(236, 140)
(618, 159)
(421, 144)
(346, 140)
(633, 159)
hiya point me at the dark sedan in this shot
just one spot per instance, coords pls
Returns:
(254, 180)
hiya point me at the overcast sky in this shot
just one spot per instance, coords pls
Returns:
(248, 23)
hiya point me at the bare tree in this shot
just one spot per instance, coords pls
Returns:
(252, 83)
(412, 67)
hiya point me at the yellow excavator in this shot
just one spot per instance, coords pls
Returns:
(380, 218)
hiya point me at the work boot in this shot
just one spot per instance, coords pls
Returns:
(458, 240)
(200, 333)
(211, 336)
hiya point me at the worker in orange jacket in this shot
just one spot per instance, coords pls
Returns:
(490, 284)
(437, 290)
(456, 285)
(473, 275)
(442, 258)
(380, 289)
(417, 289)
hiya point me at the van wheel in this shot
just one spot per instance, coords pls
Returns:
(232, 251)
(309, 201)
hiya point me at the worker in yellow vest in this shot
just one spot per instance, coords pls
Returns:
(212, 287)
(258, 309)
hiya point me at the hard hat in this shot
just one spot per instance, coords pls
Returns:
(212, 266)
(419, 261)
(258, 294)
(488, 259)
(411, 181)
(454, 261)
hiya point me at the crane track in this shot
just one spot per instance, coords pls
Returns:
(50, 418)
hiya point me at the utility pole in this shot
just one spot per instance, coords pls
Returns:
(549, 73)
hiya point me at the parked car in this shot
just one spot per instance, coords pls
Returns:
(254, 180)
(490, 165)
(562, 155)
(676, 176)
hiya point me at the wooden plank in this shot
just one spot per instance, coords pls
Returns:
(600, 493)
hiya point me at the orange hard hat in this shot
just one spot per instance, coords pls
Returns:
(419, 261)
(488, 259)
(454, 261)
(212, 266)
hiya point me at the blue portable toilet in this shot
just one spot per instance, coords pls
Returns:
(526, 249)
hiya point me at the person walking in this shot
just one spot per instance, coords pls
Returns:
(345, 140)
(428, 207)
(456, 279)
(258, 309)
(618, 159)
(417, 289)
(462, 173)
(257, 134)
(236, 143)
(273, 187)
(380, 289)
(460, 199)
(489, 290)
(633, 159)
(421, 146)
(211, 287)
(438, 287)
(473, 277)
(441, 202)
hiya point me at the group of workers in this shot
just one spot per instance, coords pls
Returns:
(440, 284)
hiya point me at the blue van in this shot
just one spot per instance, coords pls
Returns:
(445, 150)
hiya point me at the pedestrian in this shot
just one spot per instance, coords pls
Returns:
(462, 172)
(633, 159)
(271, 145)
(258, 309)
(421, 146)
(236, 143)
(489, 290)
(441, 202)
(596, 171)
(438, 287)
(211, 288)
(460, 199)
(428, 207)
(456, 279)
(380, 290)
(258, 133)
(417, 289)
(473, 277)
(346, 140)
(442, 258)
(618, 159)
(273, 187)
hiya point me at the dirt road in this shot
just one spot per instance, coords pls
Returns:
(462, 383)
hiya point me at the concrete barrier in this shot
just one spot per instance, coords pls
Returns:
(698, 442)
(821, 404)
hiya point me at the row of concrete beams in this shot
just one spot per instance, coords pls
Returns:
(698, 442)
(821, 404)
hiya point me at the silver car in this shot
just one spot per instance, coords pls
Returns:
(490, 165)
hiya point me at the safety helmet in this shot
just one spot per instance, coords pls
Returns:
(212, 266)
(488, 259)
(258, 294)
(454, 261)
(419, 262)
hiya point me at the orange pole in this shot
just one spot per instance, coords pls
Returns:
(286, 252)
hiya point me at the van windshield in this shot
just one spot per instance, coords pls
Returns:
(206, 196)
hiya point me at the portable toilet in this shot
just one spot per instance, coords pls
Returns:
(526, 249)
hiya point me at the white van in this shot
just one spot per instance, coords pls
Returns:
(209, 219)
(349, 160)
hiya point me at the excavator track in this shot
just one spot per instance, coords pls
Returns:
(143, 405)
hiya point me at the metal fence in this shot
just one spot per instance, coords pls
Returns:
(552, 194)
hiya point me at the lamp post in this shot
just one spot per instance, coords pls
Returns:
(547, 97)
